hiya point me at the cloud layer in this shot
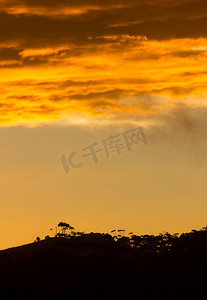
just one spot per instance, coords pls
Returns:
(118, 60)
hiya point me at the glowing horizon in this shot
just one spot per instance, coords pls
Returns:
(76, 72)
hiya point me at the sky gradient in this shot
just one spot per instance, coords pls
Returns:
(76, 72)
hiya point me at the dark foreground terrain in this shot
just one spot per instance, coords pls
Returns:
(99, 266)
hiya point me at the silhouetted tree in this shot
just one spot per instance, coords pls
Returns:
(65, 227)
(37, 239)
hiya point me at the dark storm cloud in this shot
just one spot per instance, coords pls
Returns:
(154, 19)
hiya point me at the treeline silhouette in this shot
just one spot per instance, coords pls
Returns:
(77, 265)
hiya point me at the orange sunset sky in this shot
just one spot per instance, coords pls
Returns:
(73, 73)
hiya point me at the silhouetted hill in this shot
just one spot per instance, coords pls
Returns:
(99, 266)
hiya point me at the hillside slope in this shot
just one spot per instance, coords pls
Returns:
(97, 266)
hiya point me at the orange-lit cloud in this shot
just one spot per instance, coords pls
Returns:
(129, 60)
